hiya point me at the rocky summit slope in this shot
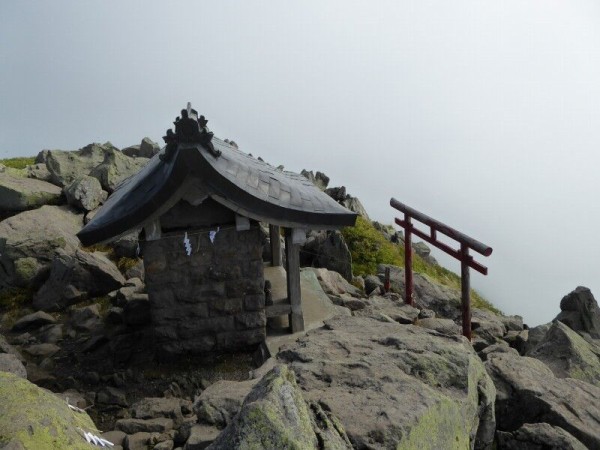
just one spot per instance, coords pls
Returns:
(372, 374)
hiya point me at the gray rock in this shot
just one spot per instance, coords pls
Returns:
(50, 334)
(10, 363)
(5, 347)
(85, 193)
(115, 316)
(569, 355)
(221, 401)
(487, 325)
(401, 378)
(42, 350)
(165, 445)
(33, 321)
(157, 425)
(391, 306)
(136, 271)
(528, 392)
(428, 294)
(137, 310)
(201, 436)
(373, 284)
(115, 168)
(424, 252)
(20, 194)
(319, 179)
(147, 149)
(115, 436)
(112, 396)
(38, 172)
(327, 249)
(334, 284)
(66, 166)
(500, 347)
(580, 312)
(538, 436)
(139, 441)
(512, 323)
(30, 240)
(444, 326)
(274, 415)
(86, 318)
(352, 203)
(536, 334)
(74, 277)
(518, 340)
(153, 407)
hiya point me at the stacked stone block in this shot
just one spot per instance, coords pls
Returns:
(212, 300)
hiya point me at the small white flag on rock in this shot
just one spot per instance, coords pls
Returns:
(212, 234)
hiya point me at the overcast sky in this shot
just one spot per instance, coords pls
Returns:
(484, 115)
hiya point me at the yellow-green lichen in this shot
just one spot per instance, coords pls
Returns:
(38, 419)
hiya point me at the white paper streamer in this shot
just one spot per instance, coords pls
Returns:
(212, 234)
(187, 244)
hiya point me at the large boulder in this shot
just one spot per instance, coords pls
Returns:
(85, 193)
(352, 203)
(327, 249)
(443, 300)
(66, 166)
(395, 386)
(221, 401)
(74, 277)
(538, 436)
(30, 240)
(569, 355)
(20, 194)
(34, 418)
(334, 284)
(528, 392)
(10, 363)
(275, 416)
(319, 179)
(580, 312)
(115, 168)
(147, 149)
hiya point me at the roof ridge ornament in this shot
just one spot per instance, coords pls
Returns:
(189, 129)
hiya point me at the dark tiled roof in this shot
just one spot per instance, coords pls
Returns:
(240, 182)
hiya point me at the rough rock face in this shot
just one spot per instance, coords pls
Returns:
(395, 386)
(441, 299)
(528, 392)
(65, 166)
(147, 149)
(10, 363)
(569, 355)
(327, 249)
(334, 284)
(115, 168)
(20, 194)
(538, 436)
(75, 277)
(319, 179)
(85, 193)
(580, 312)
(220, 402)
(30, 240)
(33, 418)
(352, 203)
(275, 415)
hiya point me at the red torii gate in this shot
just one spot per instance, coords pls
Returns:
(461, 254)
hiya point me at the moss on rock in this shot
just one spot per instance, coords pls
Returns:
(37, 419)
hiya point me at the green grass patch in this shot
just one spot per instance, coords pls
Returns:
(18, 163)
(369, 247)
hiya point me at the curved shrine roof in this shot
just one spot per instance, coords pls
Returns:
(194, 165)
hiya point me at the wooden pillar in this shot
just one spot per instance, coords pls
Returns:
(292, 256)
(275, 245)
(408, 274)
(465, 284)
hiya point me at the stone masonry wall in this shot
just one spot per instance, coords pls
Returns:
(210, 301)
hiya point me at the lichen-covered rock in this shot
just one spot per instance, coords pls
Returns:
(273, 416)
(153, 407)
(395, 386)
(10, 363)
(37, 419)
(538, 436)
(20, 194)
(30, 240)
(528, 392)
(85, 193)
(221, 401)
(567, 354)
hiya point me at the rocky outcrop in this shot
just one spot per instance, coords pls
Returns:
(528, 392)
(319, 179)
(85, 193)
(327, 249)
(76, 277)
(30, 240)
(569, 355)
(147, 149)
(275, 416)
(20, 194)
(418, 388)
(335, 285)
(580, 312)
(115, 168)
(66, 166)
(538, 436)
(33, 418)
(352, 203)
(219, 403)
